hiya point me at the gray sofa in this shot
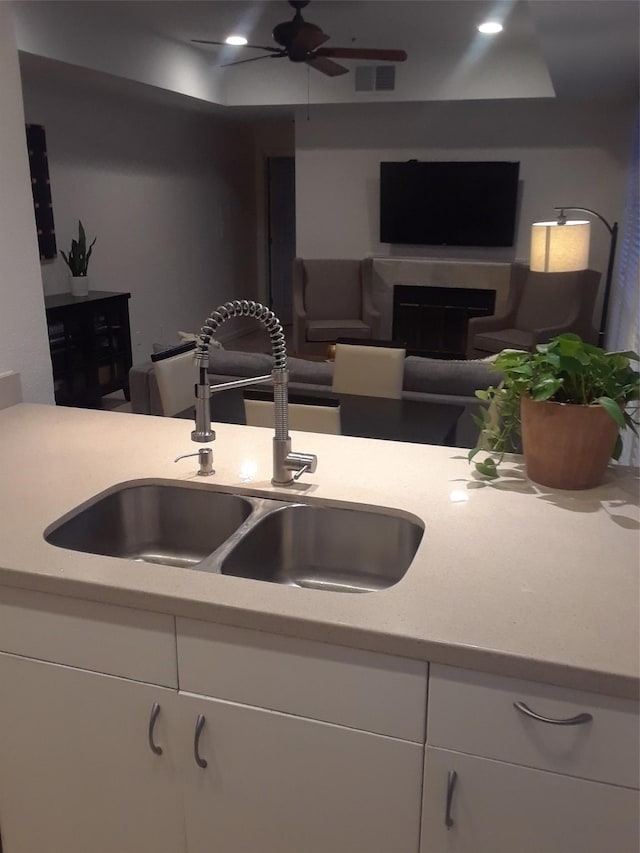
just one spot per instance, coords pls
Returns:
(425, 379)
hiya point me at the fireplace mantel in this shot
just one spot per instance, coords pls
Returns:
(387, 272)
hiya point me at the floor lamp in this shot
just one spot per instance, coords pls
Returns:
(563, 245)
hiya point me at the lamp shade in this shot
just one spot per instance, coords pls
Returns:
(560, 248)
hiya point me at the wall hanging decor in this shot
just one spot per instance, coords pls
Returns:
(41, 189)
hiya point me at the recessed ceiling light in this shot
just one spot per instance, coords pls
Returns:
(239, 40)
(490, 27)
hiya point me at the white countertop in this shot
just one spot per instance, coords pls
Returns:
(510, 577)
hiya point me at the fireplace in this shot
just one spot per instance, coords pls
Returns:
(432, 321)
(389, 272)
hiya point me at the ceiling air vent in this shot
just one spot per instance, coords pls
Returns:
(385, 78)
(375, 78)
(365, 78)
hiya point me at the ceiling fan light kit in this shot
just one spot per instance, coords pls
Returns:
(301, 41)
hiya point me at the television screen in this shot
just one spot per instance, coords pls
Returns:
(448, 203)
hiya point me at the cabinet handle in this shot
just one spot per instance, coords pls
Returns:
(200, 721)
(155, 711)
(452, 778)
(569, 721)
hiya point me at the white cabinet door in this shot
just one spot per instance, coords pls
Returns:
(77, 774)
(276, 783)
(502, 808)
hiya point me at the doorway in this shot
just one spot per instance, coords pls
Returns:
(281, 234)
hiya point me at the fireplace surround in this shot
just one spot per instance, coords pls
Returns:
(432, 321)
(388, 273)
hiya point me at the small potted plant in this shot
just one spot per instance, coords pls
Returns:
(566, 402)
(78, 261)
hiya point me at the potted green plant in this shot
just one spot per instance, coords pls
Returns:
(78, 262)
(566, 402)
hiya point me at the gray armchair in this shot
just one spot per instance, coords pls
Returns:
(540, 306)
(331, 300)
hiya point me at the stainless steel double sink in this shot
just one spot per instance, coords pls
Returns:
(341, 548)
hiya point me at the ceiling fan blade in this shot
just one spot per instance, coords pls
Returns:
(224, 44)
(308, 37)
(326, 66)
(363, 53)
(253, 59)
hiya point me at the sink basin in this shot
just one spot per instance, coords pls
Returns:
(168, 524)
(314, 546)
(328, 548)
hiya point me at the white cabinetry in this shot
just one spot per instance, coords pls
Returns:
(80, 767)
(76, 770)
(502, 808)
(295, 759)
(283, 745)
(281, 784)
(522, 783)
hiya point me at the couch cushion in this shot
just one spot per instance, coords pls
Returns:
(329, 330)
(234, 364)
(440, 376)
(311, 372)
(240, 363)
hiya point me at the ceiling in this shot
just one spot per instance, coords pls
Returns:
(561, 48)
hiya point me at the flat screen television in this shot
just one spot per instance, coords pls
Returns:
(448, 203)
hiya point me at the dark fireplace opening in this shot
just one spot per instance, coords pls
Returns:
(433, 320)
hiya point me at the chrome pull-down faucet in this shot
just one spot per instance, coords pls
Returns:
(287, 465)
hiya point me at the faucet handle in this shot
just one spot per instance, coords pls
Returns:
(205, 457)
(300, 463)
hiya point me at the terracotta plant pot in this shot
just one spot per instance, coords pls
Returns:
(566, 446)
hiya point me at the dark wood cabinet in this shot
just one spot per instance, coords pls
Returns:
(90, 343)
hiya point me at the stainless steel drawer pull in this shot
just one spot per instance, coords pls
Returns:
(200, 721)
(155, 711)
(570, 721)
(452, 778)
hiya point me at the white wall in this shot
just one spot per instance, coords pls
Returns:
(570, 153)
(104, 37)
(448, 59)
(23, 338)
(169, 194)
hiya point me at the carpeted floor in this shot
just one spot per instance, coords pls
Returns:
(115, 403)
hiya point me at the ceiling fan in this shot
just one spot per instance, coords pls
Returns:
(301, 41)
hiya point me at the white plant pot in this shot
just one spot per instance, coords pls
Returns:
(79, 285)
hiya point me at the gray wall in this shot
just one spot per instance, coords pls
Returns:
(23, 339)
(170, 195)
(569, 152)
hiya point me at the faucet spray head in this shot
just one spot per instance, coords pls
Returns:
(202, 432)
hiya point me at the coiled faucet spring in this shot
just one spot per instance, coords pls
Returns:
(284, 460)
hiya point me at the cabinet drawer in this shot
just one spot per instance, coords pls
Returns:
(363, 690)
(89, 635)
(474, 713)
